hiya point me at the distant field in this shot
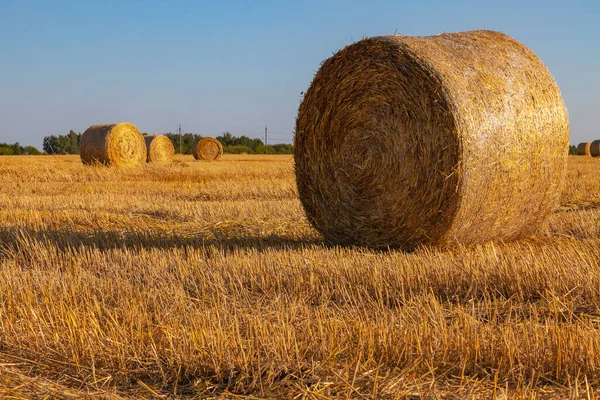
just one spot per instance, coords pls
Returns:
(205, 279)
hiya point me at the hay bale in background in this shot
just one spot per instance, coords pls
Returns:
(454, 138)
(583, 149)
(119, 144)
(595, 148)
(208, 149)
(159, 148)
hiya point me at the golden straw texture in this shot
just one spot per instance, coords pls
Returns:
(595, 148)
(583, 149)
(455, 138)
(207, 149)
(119, 144)
(160, 148)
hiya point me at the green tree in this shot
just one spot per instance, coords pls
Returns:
(243, 141)
(237, 149)
(62, 144)
(11, 149)
(6, 149)
(17, 149)
(32, 151)
(271, 150)
(283, 148)
(260, 149)
(52, 145)
(226, 139)
(255, 144)
(573, 150)
(72, 143)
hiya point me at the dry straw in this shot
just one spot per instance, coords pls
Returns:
(159, 148)
(595, 148)
(455, 138)
(207, 149)
(119, 144)
(583, 149)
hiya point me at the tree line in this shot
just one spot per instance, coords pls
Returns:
(69, 144)
(231, 144)
(16, 149)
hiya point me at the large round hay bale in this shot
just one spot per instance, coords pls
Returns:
(595, 148)
(208, 149)
(159, 149)
(583, 149)
(455, 138)
(119, 144)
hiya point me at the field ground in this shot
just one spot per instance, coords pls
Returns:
(205, 279)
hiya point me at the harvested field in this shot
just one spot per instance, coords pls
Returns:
(206, 279)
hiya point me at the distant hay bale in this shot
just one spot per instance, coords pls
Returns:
(595, 148)
(583, 149)
(159, 149)
(455, 138)
(119, 144)
(207, 149)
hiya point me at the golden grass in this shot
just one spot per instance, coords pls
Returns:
(206, 279)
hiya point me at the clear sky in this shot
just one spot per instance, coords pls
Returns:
(216, 66)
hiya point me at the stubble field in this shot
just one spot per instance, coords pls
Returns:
(203, 279)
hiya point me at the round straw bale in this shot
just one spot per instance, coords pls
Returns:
(595, 148)
(456, 138)
(208, 149)
(160, 148)
(583, 149)
(119, 144)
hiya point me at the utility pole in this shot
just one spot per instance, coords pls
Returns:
(180, 141)
(266, 140)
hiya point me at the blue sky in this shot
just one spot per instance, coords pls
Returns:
(240, 65)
